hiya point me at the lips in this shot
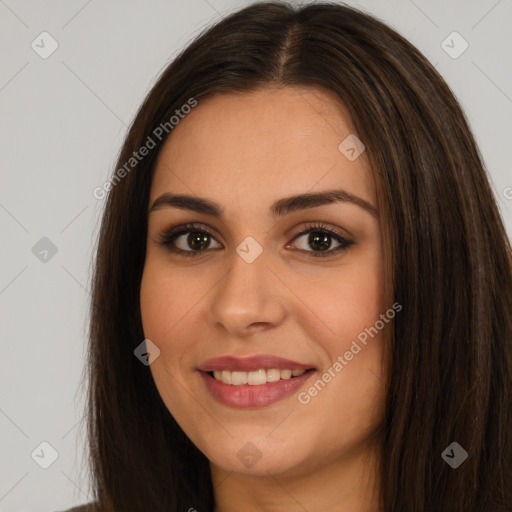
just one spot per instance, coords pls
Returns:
(253, 394)
(252, 363)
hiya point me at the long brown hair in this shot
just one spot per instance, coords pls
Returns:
(446, 251)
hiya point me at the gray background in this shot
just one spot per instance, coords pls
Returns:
(62, 122)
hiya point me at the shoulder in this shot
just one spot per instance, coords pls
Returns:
(88, 507)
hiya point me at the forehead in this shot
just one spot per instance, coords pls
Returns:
(249, 148)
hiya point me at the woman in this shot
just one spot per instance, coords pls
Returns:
(303, 287)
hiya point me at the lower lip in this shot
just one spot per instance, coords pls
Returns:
(246, 396)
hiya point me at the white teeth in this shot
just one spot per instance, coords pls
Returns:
(255, 378)
(226, 377)
(238, 378)
(273, 375)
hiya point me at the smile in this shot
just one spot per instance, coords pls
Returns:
(255, 378)
(253, 381)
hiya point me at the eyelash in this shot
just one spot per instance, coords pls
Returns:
(168, 237)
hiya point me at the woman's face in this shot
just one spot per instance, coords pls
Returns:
(248, 283)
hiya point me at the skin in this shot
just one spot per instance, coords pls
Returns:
(244, 151)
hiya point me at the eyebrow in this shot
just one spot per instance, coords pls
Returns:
(279, 208)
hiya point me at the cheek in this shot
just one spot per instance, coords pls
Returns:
(343, 302)
(164, 300)
(362, 290)
(350, 306)
(169, 302)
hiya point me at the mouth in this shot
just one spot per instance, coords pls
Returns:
(253, 382)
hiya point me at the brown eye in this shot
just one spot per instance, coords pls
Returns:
(320, 239)
(197, 240)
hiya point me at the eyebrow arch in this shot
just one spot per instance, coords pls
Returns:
(277, 209)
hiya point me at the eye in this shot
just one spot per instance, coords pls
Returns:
(197, 237)
(320, 239)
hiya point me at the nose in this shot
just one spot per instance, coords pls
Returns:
(249, 298)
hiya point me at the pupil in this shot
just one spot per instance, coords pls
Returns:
(198, 241)
(322, 239)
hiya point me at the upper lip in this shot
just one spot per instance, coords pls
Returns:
(251, 363)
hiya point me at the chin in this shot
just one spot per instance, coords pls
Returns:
(258, 456)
